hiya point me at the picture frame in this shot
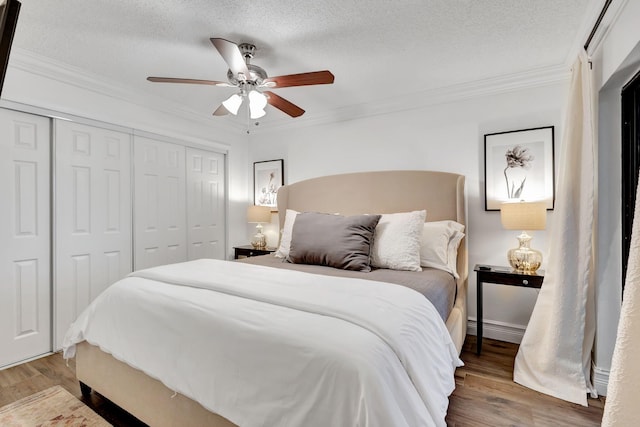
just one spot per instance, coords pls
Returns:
(519, 165)
(268, 177)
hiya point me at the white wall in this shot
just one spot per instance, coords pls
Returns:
(615, 60)
(42, 83)
(446, 137)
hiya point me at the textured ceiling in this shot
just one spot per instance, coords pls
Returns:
(376, 49)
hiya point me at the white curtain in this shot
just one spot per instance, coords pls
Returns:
(621, 407)
(555, 354)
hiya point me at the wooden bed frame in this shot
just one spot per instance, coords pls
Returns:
(440, 193)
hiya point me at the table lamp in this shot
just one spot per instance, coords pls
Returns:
(259, 214)
(524, 216)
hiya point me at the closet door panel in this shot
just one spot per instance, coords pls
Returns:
(93, 216)
(25, 251)
(205, 204)
(160, 203)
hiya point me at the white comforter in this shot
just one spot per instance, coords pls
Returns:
(272, 347)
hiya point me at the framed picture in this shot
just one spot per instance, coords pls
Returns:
(268, 177)
(519, 165)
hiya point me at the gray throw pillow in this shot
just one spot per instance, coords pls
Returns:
(333, 240)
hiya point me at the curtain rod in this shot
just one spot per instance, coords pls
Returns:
(597, 24)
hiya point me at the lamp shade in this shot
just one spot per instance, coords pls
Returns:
(257, 102)
(232, 104)
(524, 215)
(258, 214)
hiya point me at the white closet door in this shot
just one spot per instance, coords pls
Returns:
(25, 237)
(93, 216)
(160, 203)
(205, 204)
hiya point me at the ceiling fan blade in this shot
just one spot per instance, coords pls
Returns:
(283, 105)
(232, 56)
(188, 81)
(221, 111)
(303, 79)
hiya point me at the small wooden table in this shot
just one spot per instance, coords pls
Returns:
(500, 276)
(246, 251)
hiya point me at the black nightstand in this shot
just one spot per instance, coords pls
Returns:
(247, 251)
(501, 276)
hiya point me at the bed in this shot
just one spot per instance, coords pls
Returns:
(136, 387)
(440, 193)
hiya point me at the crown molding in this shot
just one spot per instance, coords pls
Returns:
(51, 69)
(537, 77)
(32, 63)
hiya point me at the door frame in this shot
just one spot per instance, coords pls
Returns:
(630, 158)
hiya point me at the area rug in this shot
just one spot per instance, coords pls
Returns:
(51, 407)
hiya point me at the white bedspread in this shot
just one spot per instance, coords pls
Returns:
(272, 347)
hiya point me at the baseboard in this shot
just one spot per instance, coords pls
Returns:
(497, 330)
(513, 333)
(31, 359)
(600, 380)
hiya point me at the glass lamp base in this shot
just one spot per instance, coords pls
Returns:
(526, 261)
(524, 258)
(259, 240)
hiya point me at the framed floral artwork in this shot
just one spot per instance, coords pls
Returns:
(519, 165)
(268, 177)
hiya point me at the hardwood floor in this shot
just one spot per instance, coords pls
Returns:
(31, 377)
(485, 395)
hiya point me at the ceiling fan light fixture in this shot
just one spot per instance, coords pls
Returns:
(256, 114)
(248, 78)
(232, 104)
(257, 102)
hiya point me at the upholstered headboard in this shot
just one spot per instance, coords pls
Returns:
(441, 194)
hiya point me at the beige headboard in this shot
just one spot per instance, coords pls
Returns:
(441, 194)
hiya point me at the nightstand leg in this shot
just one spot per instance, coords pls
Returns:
(479, 317)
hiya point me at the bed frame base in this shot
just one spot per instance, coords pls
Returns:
(84, 389)
(142, 396)
(440, 193)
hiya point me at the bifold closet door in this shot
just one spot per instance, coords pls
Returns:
(93, 216)
(206, 215)
(160, 235)
(25, 236)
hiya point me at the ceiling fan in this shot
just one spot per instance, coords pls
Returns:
(252, 80)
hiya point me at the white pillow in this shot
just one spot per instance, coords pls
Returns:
(454, 244)
(287, 230)
(439, 245)
(396, 241)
